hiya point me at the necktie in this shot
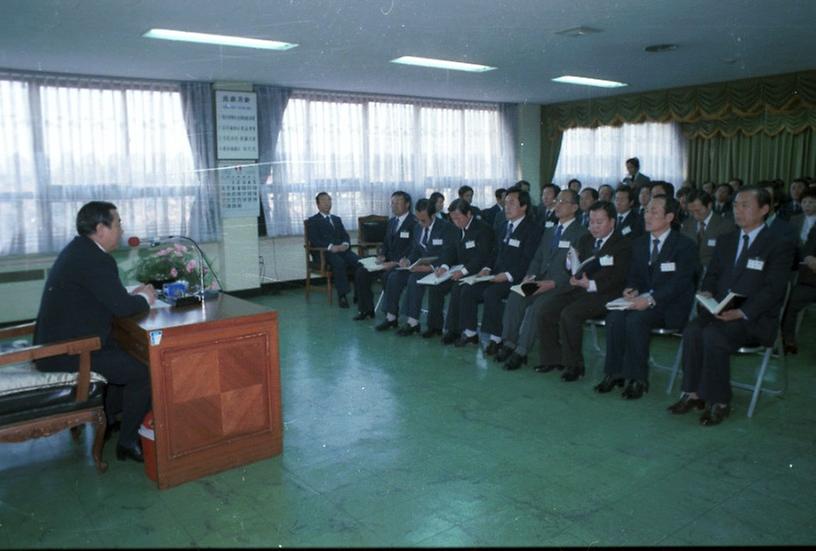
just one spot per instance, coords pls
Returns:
(394, 226)
(743, 254)
(509, 233)
(655, 251)
(424, 241)
(700, 232)
(597, 246)
(557, 236)
(620, 220)
(329, 220)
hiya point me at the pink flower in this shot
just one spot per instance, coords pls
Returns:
(191, 265)
(173, 272)
(163, 252)
(180, 247)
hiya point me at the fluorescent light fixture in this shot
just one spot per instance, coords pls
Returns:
(584, 81)
(442, 64)
(220, 39)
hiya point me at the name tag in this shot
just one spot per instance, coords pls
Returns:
(755, 264)
(405, 235)
(607, 260)
(712, 242)
(514, 243)
(436, 241)
(470, 244)
(563, 244)
(667, 267)
(549, 224)
(626, 231)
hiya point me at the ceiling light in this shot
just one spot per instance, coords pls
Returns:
(657, 48)
(220, 39)
(578, 31)
(442, 64)
(569, 79)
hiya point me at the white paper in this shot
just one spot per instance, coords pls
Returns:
(370, 264)
(712, 305)
(476, 278)
(623, 303)
(433, 279)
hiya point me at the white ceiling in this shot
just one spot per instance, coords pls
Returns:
(346, 45)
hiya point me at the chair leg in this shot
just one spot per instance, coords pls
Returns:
(329, 287)
(675, 367)
(760, 378)
(99, 441)
(76, 432)
(379, 301)
(308, 281)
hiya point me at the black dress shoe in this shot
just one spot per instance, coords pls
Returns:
(363, 315)
(386, 325)
(492, 348)
(514, 362)
(131, 451)
(449, 338)
(428, 333)
(110, 429)
(609, 382)
(790, 347)
(464, 341)
(685, 404)
(715, 414)
(408, 329)
(546, 368)
(343, 302)
(635, 389)
(572, 373)
(503, 353)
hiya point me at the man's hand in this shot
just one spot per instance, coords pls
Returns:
(730, 315)
(339, 248)
(457, 275)
(403, 263)
(484, 272)
(705, 294)
(500, 278)
(440, 271)
(389, 265)
(527, 278)
(810, 262)
(630, 293)
(380, 259)
(147, 291)
(544, 286)
(583, 282)
(639, 303)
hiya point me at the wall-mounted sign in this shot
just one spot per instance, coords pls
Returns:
(236, 116)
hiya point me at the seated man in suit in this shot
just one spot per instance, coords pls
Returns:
(735, 183)
(804, 292)
(546, 217)
(397, 245)
(489, 215)
(703, 226)
(722, 201)
(473, 250)
(644, 196)
(574, 185)
(793, 206)
(561, 323)
(326, 231)
(629, 223)
(605, 193)
(513, 253)
(587, 198)
(659, 187)
(660, 289)
(500, 219)
(548, 270)
(755, 263)
(776, 223)
(82, 295)
(432, 237)
(466, 193)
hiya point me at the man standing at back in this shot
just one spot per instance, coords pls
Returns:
(634, 178)
(326, 231)
(82, 295)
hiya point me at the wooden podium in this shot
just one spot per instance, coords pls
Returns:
(215, 379)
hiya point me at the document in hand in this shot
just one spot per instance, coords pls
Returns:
(622, 303)
(370, 264)
(476, 278)
(731, 301)
(433, 279)
(573, 264)
(525, 289)
(424, 261)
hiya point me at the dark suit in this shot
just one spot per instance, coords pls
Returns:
(511, 256)
(561, 322)
(322, 234)
(397, 244)
(787, 232)
(804, 292)
(790, 209)
(632, 225)
(706, 242)
(761, 276)
(442, 238)
(489, 215)
(543, 216)
(670, 279)
(636, 182)
(725, 210)
(82, 295)
(521, 314)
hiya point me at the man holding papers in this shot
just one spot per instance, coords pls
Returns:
(472, 251)
(561, 322)
(659, 292)
(549, 273)
(397, 244)
(433, 238)
(514, 250)
(753, 262)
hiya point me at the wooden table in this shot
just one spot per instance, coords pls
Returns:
(215, 379)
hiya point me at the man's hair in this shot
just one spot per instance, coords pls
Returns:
(605, 206)
(683, 192)
(427, 206)
(523, 196)
(405, 196)
(92, 214)
(738, 180)
(435, 197)
(667, 187)
(635, 162)
(556, 188)
(318, 196)
(572, 193)
(464, 189)
(699, 195)
(627, 190)
(460, 205)
(724, 186)
(523, 184)
(592, 191)
(605, 185)
(499, 193)
(763, 196)
(809, 192)
(575, 180)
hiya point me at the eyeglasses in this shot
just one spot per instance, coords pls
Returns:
(565, 201)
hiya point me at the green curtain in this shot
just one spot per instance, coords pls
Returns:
(550, 150)
(752, 158)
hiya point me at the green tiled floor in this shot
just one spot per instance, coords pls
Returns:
(394, 441)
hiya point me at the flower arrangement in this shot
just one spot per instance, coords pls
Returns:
(172, 263)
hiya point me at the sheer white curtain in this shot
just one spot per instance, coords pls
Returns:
(361, 149)
(66, 141)
(596, 156)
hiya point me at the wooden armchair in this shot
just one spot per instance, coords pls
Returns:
(370, 233)
(35, 404)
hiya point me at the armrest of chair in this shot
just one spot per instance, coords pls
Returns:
(17, 330)
(81, 347)
(322, 251)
